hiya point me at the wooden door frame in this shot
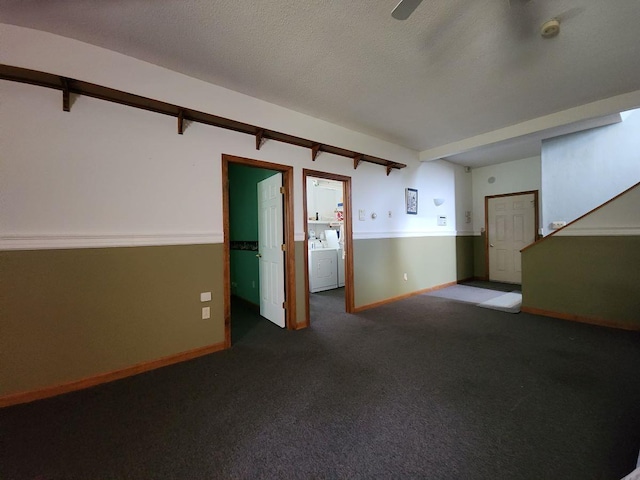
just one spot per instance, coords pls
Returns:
(486, 222)
(289, 259)
(348, 236)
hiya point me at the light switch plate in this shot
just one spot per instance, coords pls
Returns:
(442, 221)
(205, 297)
(361, 215)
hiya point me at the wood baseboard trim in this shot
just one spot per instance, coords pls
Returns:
(601, 322)
(32, 395)
(402, 297)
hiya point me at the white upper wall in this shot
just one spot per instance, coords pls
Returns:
(511, 177)
(37, 50)
(105, 170)
(582, 170)
(432, 180)
(621, 216)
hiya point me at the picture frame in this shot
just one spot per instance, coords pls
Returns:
(411, 197)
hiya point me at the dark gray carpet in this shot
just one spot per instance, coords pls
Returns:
(423, 388)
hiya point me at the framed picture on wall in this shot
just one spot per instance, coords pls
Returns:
(411, 196)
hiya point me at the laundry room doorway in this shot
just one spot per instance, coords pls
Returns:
(328, 233)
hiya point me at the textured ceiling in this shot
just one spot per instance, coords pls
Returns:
(455, 69)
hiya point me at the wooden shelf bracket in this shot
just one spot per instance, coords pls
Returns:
(180, 122)
(259, 135)
(66, 95)
(315, 148)
(356, 160)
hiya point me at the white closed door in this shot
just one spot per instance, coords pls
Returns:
(511, 227)
(270, 253)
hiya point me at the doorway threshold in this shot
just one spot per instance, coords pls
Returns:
(489, 285)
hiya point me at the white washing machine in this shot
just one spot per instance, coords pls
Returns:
(323, 269)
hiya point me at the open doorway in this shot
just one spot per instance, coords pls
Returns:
(328, 234)
(258, 236)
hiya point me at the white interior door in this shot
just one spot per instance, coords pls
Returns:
(271, 256)
(511, 227)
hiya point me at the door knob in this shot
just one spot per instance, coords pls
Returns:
(259, 255)
(491, 244)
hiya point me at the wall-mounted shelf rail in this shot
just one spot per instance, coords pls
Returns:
(78, 87)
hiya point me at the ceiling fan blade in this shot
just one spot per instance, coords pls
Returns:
(404, 9)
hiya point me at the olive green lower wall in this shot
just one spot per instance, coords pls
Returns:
(379, 266)
(479, 257)
(594, 278)
(72, 314)
(464, 257)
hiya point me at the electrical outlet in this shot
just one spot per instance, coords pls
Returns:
(206, 313)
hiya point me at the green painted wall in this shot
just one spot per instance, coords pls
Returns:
(245, 275)
(591, 277)
(464, 257)
(71, 314)
(243, 226)
(379, 265)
